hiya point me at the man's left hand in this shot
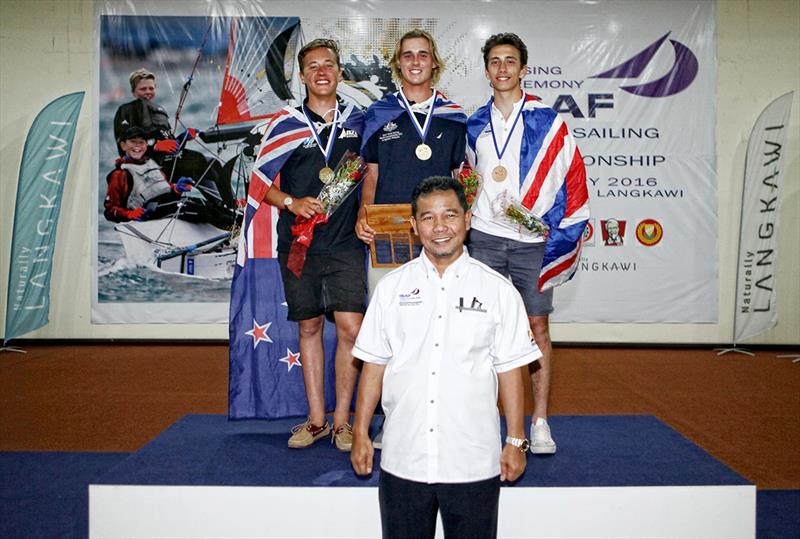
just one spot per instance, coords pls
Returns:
(362, 453)
(512, 463)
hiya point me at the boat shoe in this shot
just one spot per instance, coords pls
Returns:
(305, 434)
(343, 437)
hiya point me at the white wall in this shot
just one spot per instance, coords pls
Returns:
(47, 49)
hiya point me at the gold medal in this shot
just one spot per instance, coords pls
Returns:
(326, 175)
(499, 173)
(423, 152)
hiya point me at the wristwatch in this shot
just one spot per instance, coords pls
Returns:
(287, 202)
(520, 443)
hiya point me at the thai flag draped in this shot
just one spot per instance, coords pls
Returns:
(389, 107)
(265, 379)
(552, 184)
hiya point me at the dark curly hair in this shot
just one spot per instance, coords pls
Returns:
(505, 39)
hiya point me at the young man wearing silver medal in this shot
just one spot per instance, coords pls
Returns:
(332, 281)
(523, 151)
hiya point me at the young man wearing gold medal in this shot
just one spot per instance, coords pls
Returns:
(411, 134)
(524, 151)
(302, 146)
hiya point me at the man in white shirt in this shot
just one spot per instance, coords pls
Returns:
(442, 336)
(523, 150)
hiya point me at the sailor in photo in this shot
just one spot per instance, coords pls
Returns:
(524, 151)
(142, 112)
(303, 145)
(137, 187)
(443, 336)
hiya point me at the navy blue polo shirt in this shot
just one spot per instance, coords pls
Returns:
(393, 147)
(300, 178)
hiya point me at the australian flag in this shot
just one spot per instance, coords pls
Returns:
(265, 379)
(389, 107)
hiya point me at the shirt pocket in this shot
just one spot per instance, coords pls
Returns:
(472, 332)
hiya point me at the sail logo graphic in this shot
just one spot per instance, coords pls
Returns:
(679, 77)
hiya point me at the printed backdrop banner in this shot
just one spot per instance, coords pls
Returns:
(635, 82)
(756, 293)
(42, 173)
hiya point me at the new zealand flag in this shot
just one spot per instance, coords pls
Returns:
(265, 376)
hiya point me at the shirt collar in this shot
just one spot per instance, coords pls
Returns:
(456, 268)
(423, 106)
(514, 111)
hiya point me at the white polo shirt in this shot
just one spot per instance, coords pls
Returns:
(483, 218)
(443, 341)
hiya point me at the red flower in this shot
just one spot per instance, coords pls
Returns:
(355, 175)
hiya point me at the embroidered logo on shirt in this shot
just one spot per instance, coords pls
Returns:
(309, 143)
(411, 299)
(390, 126)
(392, 135)
(475, 306)
(348, 133)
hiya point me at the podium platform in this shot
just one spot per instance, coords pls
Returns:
(613, 476)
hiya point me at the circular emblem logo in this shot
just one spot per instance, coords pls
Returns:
(649, 232)
(588, 232)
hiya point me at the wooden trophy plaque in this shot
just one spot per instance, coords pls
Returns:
(395, 242)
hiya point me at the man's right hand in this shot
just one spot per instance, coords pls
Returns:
(363, 231)
(361, 454)
(306, 207)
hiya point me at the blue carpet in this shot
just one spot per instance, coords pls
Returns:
(47, 494)
(593, 450)
(778, 514)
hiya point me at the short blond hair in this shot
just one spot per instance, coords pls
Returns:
(139, 75)
(411, 34)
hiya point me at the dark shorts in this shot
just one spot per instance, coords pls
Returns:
(408, 508)
(521, 262)
(330, 283)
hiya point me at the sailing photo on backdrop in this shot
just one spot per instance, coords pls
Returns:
(168, 217)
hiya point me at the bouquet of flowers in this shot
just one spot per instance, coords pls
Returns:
(346, 178)
(510, 212)
(471, 182)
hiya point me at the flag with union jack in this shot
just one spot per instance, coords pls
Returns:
(390, 107)
(265, 377)
(552, 184)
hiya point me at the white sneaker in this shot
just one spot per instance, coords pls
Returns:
(541, 441)
(377, 442)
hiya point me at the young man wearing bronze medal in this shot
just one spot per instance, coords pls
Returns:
(332, 281)
(523, 151)
(411, 134)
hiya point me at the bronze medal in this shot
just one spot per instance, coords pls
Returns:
(326, 175)
(499, 173)
(423, 152)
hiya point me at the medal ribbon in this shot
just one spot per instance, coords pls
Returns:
(422, 131)
(326, 153)
(508, 138)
